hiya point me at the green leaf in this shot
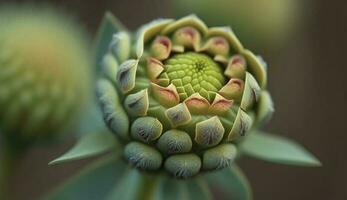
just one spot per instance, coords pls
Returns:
(277, 149)
(170, 189)
(158, 187)
(93, 183)
(231, 182)
(129, 186)
(91, 121)
(109, 26)
(198, 189)
(89, 145)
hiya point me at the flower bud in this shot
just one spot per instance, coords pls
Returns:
(187, 37)
(236, 67)
(45, 72)
(219, 157)
(161, 48)
(146, 129)
(142, 156)
(175, 141)
(183, 166)
(179, 107)
(233, 89)
(217, 46)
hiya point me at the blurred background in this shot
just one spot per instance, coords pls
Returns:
(303, 42)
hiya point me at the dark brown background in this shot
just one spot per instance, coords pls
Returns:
(308, 83)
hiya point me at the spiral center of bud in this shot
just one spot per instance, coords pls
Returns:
(194, 73)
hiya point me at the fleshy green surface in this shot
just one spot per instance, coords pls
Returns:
(108, 27)
(231, 183)
(167, 134)
(115, 180)
(94, 182)
(278, 149)
(181, 80)
(172, 189)
(198, 70)
(130, 179)
(89, 145)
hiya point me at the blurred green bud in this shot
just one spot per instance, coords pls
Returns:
(45, 77)
(183, 97)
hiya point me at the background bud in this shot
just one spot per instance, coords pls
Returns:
(45, 72)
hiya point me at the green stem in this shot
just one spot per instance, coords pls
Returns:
(8, 158)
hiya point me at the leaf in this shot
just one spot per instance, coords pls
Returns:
(129, 186)
(277, 149)
(198, 189)
(89, 145)
(109, 26)
(92, 183)
(91, 121)
(231, 182)
(170, 189)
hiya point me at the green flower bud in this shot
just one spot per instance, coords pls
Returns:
(236, 67)
(146, 129)
(161, 47)
(186, 38)
(175, 141)
(186, 94)
(183, 166)
(45, 72)
(142, 156)
(219, 157)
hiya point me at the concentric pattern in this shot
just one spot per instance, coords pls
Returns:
(44, 73)
(194, 73)
(186, 99)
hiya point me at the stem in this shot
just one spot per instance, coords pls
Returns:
(8, 158)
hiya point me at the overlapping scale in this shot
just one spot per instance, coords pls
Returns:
(186, 99)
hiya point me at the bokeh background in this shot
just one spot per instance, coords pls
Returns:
(307, 78)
